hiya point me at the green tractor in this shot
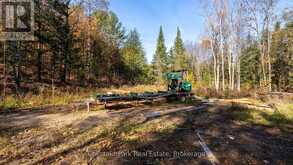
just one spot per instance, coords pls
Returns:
(178, 89)
(177, 81)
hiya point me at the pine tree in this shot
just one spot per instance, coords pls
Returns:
(134, 58)
(110, 26)
(171, 59)
(110, 37)
(160, 58)
(282, 57)
(180, 59)
(250, 70)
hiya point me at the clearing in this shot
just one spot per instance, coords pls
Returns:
(159, 133)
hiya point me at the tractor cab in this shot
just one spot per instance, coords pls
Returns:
(177, 81)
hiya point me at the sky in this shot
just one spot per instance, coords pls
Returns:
(148, 15)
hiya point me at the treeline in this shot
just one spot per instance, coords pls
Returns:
(174, 59)
(281, 54)
(77, 43)
(247, 45)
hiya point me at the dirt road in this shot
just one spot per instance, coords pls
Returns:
(149, 134)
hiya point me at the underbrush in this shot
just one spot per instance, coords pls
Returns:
(228, 94)
(63, 96)
(30, 100)
(282, 118)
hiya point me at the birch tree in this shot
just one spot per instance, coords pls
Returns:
(238, 28)
(259, 17)
(217, 27)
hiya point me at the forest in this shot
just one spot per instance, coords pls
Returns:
(82, 54)
(84, 44)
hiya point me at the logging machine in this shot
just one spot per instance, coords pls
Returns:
(178, 89)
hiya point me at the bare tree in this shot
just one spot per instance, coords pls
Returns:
(238, 27)
(217, 12)
(259, 16)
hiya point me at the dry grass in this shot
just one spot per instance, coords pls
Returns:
(286, 110)
(77, 137)
(32, 100)
(212, 93)
(40, 137)
(138, 132)
(282, 119)
(66, 96)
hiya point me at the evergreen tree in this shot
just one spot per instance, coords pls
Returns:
(282, 57)
(110, 26)
(250, 69)
(134, 58)
(107, 44)
(160, 58)
(171, 59)
(179, 58)
(57, 33)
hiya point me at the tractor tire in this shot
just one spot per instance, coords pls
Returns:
(183, 99)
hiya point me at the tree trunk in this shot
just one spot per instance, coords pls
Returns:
(223, 69)
(4, 70)
(222, 55)
(233, 76)
(230, 69)
(215, 72)
(238, 72)
(218, 76)
(263, 70)
(216, 69)
(269, 59)
(39, 63)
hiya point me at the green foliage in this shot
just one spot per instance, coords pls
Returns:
(179, 57)
(73, 47)
(107, 42)
(281, 54)
(282, 58)
(206, 77)
(134, 59)
(160, 58)
(30, 100)
(9, 103)
(110, 26)
(250, 69)
(171, 58)
(283, 119)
